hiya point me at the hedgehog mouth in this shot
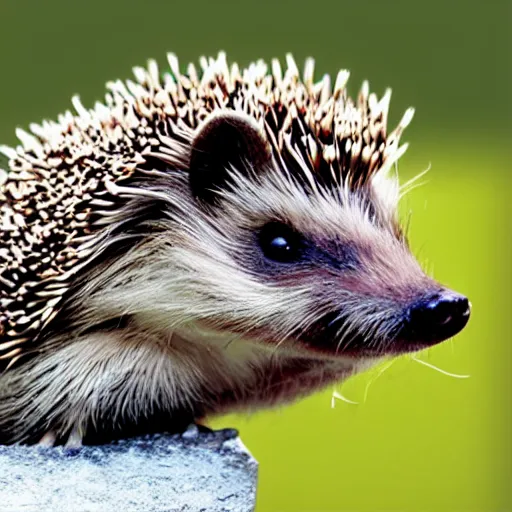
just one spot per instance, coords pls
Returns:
(358, 345)
(332, 336)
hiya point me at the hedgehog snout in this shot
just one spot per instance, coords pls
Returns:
(435, 318)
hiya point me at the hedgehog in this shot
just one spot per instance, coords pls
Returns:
(214, 240)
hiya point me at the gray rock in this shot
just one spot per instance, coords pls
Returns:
(190, 472)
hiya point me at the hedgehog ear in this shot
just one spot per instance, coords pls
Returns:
(225, 140)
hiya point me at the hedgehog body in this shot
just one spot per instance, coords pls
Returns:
(203, 242)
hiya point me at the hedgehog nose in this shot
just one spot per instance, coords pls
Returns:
(438, 317)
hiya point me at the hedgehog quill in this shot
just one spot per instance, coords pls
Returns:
(202, 242)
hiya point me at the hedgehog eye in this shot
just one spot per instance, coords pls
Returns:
(280, 243)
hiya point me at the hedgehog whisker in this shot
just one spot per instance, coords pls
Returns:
(405, 187)
(411, 188)
(440, 370)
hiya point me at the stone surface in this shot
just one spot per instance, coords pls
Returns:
(189, 472)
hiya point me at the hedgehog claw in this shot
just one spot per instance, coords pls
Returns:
(48, 440)
(191, 432)
(194, 429)
(75, 439)
(202, 425)
(204, 429)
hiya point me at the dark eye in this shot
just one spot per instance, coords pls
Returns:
(280, 243)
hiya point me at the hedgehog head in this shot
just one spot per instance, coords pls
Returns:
(300, 245)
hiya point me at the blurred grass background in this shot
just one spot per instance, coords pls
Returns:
(421, 440)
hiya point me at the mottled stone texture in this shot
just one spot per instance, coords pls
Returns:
(189, 472)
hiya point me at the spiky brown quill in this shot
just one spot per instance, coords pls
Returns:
(85, 207)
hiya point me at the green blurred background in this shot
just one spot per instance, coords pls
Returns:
(421, 440)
